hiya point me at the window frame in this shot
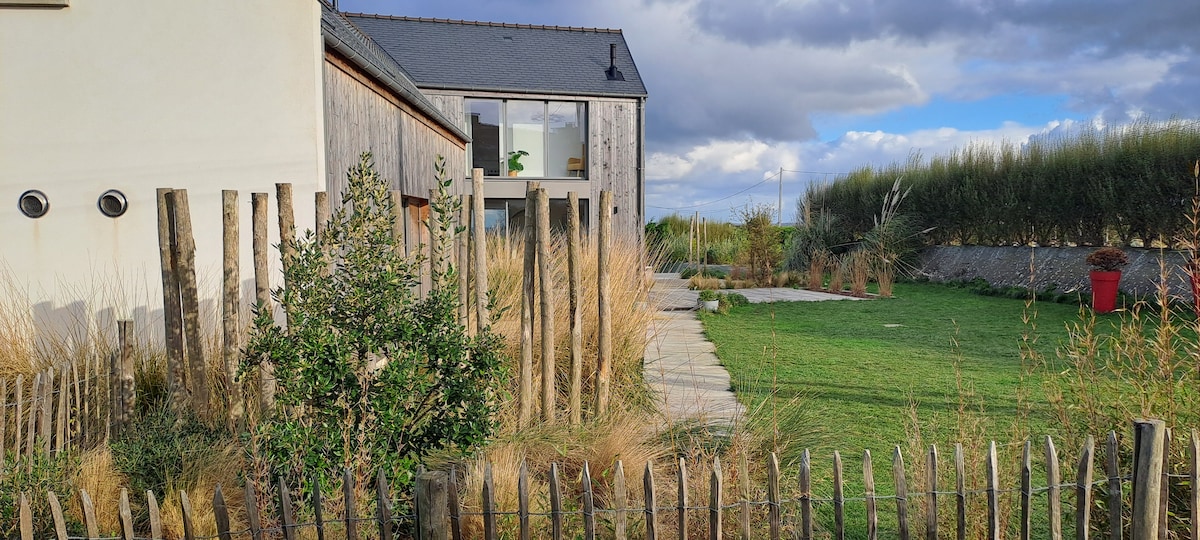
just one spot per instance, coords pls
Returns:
(581, 108)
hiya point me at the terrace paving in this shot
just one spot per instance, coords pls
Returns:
(681, 364)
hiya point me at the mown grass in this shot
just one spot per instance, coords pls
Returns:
(863, 372)
(875, 372)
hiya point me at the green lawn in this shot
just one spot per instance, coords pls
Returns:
(860, 364)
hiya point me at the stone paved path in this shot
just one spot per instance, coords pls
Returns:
(680, 363)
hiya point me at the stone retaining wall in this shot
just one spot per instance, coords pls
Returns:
(1062, 267)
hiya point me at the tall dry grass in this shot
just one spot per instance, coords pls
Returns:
(631, 314)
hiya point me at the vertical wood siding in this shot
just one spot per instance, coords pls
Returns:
(359, 118)
(612, 160)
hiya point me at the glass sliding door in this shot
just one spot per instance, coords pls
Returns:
(485, 134)
(565, 136)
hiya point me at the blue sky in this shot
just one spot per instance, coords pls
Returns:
(742, 88)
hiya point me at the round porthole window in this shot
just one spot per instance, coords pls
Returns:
(33, 203)
(112, 203)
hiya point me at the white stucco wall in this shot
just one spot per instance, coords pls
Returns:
(140, 94)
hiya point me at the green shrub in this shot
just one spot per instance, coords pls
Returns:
(687, 273)
(764, 246)
(370, 376)
(1111, 182)
(48, 473)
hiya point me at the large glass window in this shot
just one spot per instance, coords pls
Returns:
(526, 138)
(485, 134)
(507, 216)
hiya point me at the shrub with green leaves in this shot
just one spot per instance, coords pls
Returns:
(370, 374)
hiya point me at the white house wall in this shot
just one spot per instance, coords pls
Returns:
(140, 94)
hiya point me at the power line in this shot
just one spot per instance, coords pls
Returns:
(765, 180)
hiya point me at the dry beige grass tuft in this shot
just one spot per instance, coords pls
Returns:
(100, 478)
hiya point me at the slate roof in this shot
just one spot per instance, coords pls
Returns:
(344, 38)
(498, 57)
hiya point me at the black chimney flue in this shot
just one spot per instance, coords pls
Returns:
(612, 72)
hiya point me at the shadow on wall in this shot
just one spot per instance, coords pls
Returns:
(1041, 267)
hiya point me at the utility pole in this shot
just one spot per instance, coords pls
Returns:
(779, 221)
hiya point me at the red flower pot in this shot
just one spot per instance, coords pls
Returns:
(1104, 290)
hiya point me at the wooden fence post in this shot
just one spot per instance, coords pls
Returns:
(1083, 490)
(1026, 489)
(556, 517)
(349, 517)
(20, 414)
(126, 516)
(589, 506)
(620, 502)
(56, 511)
(431, 500)
(172, 308)
(773, 510)
(185, 257)
(156, 532)
(651, 504)
(89, 515)
(681, 499)
(715, 505)
(523, 501)
(25, 518)
(128, 385)
(479, 237)
(287, 229)
(960, 494)
(901, 492)
(488, 502)
(383, 506)
(1149, 436)
(574, 284)
(1053, 491)
(455, 505)
(839, 502)
(287, 514)
(322, 214)
(256, 532)
(869, 495)
(1113, 472)
(604, 332)
(462, 238)
(528, 290)
(231, 328)
(806, 521)
(262, 295)
(318, 507)
(993, 494)
(221, 514)
(189, 529)
(931, 506)
(62, 412)
(31, 426)
(546, 309)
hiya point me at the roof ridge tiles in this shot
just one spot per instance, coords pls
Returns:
(485, 23)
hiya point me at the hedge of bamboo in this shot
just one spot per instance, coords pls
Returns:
(1111, 185)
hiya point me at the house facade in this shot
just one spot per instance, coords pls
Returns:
(569, 101)
(104, 102)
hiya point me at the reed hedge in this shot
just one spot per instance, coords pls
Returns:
(1114, 184)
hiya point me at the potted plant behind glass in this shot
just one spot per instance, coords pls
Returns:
(709, 301)
(514, 162)
(1106, 265)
